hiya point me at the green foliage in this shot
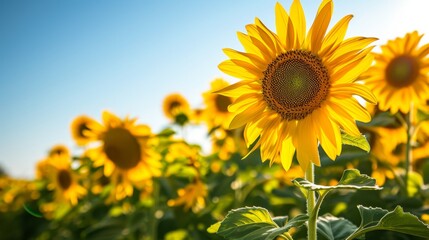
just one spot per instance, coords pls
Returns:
(360, 142)
(254, 223)
(397, 220)
(333, 228)
(351, 179)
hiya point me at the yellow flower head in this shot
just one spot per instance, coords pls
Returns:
(176, 108)
(192, 196)
(63, 180)
(59, 150)
(78, 128)
(216, 112)
(399, 76)
(125, 152)
(297, 89)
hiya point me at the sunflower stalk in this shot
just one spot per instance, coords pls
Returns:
(408, 150)
(311, 204)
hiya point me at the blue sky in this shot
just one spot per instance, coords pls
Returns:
(60, 59)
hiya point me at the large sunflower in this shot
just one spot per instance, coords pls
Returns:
(399, 76)
(125, 152)
(297, 89)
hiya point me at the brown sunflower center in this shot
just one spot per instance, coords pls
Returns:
(64, 179)
(295, 84)
(122, 148)
(402, 71)
(222, 103)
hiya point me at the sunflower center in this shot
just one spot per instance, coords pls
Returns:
(295, 84)
(122, 148)
(222, 103)
(402, 71)
(64, 179)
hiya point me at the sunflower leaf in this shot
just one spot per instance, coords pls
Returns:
(351, 179)
(253, 223)
(359, 142)
(397, 221)
(333, 228)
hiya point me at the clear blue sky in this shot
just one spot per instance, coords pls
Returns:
(60, 59)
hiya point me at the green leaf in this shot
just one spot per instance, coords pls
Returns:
(294, 222)
(333, 228)
(397, 220)
(351, 179)
(370, 216)
(167, 132)
(253, 223)
(359, 142)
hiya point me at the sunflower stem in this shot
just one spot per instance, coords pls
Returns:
(311, 202)
(408, 150)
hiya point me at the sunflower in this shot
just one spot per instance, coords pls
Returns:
(216, 112)
(63, 180)
(399, 75)
(176, 108)
(125, 152)
(59, 150)
(226, 142)
(192, 196)
(78, 128)
(297, 90)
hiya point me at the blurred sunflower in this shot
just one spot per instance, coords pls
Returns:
(216, 112)
(78, 128)
(63, 180)
(226, 142)
(59, 150)
(191, 197)
(125, 152)
(297, 89)
(399, 76)
(176, 108)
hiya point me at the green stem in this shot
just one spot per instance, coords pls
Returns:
(408, 150)
(311, 203)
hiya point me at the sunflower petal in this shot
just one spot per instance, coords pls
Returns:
(232, 68)
(354, 89)
(297, 17)
(320, 25)
(287, 152)
(336, 34)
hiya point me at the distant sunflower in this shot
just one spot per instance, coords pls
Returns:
(297, 89)
(191, 197)
(63, 180)
(176, 108)
(125, 152)
(216, 112)
(78, 128)
(59, 150)
(399, 76)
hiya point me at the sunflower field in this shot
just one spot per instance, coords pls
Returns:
(361, 114)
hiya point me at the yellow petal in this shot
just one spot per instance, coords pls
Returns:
(248, 57)
(354, 89)
(298, 18)
(287, 153)
(248, 115)
(231, 68)
(282, 24)
(305, 142)
(336, 34)
(320, 25)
